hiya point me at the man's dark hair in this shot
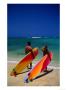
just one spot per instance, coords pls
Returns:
(29, 43)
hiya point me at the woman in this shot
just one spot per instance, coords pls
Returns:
(46, 51)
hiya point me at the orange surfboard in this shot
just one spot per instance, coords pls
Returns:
(24, 62)
(39, 67)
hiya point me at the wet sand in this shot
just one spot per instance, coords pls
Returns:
(44, 79)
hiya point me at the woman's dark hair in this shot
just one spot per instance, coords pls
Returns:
(46, 46)
(28, 43)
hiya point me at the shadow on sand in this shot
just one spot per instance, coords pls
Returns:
(45, 73)
(23, 72)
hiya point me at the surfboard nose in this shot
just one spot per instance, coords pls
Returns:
(26, 79)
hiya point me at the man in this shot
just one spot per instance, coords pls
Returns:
(28, 49)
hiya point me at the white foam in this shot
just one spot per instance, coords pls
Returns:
(51, 67)
(36, 37)
(12, 61)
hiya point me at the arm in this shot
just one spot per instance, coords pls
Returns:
(48, 54)
(32, 53)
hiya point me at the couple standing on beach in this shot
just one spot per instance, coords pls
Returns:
(28, 49)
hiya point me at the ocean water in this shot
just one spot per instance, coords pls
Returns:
(16, 47)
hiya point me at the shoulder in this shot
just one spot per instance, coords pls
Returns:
(28, 47)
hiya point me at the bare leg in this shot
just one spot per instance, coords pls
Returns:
(30, 65)
(46, 70)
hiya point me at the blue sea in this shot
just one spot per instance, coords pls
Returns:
(16, 47)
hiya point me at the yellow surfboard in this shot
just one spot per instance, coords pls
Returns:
(24, 62)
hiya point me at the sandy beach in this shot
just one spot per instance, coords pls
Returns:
(44, 79)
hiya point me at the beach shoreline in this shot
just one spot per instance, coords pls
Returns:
(51, 79)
